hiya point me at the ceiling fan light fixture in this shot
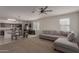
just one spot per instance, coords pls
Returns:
(43, 10)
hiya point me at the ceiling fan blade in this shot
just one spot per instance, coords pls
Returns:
(49, 10)
(45, 7)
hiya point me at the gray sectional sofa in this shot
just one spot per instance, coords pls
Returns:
(53, 35)
(63, 41)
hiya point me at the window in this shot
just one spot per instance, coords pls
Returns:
(36, 25)
(65, 24)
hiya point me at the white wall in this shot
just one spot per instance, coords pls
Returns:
(52, 22)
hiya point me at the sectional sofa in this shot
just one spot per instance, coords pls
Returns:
(63, 41)
(53, 35)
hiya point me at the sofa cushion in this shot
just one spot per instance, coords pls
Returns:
(45, 32)
(54, 32)
(45, 36)
(62, 33)
(50, 36)
(71, 37)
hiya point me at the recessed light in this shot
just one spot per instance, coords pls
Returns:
(12, 19)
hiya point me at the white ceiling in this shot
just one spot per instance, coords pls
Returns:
(25, 12)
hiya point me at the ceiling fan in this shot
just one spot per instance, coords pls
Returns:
(43, 10)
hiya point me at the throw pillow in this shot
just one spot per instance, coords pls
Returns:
(62, 33)
(71, 37)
